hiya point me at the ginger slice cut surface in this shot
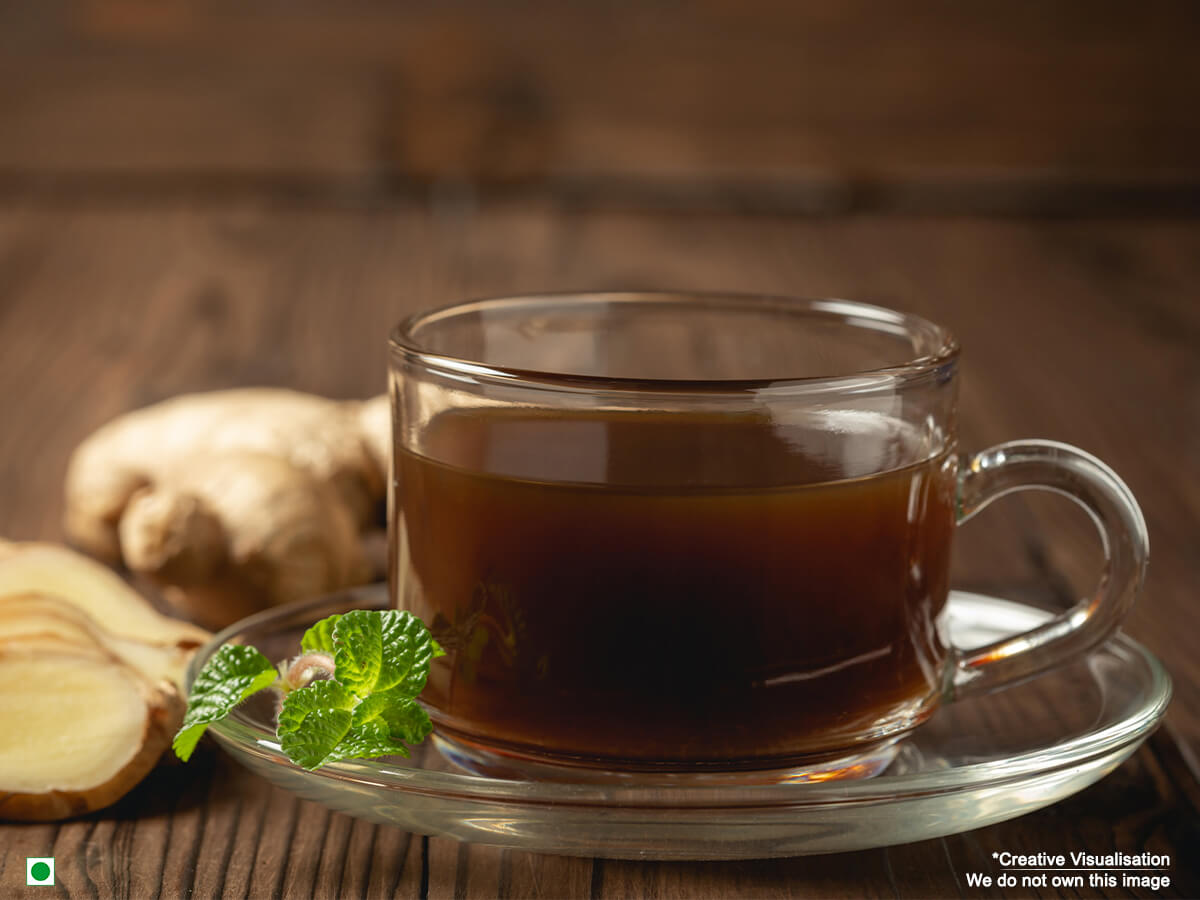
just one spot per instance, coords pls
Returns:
(30, 617)
(74, 721)
(93, 589)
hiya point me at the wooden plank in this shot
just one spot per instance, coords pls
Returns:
(801, 103)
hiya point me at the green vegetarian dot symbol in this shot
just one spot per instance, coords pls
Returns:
(40, 871)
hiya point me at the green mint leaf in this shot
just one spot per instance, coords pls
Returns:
(408, 648)
(404, 718)
(382, 651)
(358, 650)
(313, 720)
(302, 702)
(357, 745)
(319, 638)
(407, 722)
(311, 746)
(231, 675)
(381, 726)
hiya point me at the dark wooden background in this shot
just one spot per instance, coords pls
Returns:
(197, 195)
(788, 105)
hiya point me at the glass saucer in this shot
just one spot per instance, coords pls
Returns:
(975, 763)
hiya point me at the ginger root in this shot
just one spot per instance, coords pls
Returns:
(234, 501)
(90, 683)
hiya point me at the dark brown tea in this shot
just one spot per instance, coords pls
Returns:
(620, 588)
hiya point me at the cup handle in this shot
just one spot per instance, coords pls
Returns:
(1066, 470)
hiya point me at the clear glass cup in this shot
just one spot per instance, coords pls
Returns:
(703, 536)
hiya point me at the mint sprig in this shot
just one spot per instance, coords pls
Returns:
(368, 708)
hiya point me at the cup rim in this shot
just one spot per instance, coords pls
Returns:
(938, 362)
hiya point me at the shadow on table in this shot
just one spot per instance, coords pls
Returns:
(173, 787)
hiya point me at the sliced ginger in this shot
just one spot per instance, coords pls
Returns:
(47, 569)
(90, 683)
(28, 616)
(80, 729)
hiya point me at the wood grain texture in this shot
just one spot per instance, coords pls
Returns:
(1084, 331)
(790, 103)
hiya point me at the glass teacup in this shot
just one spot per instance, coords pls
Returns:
(703, 535)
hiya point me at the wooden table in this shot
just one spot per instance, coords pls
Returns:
(1086, 331)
